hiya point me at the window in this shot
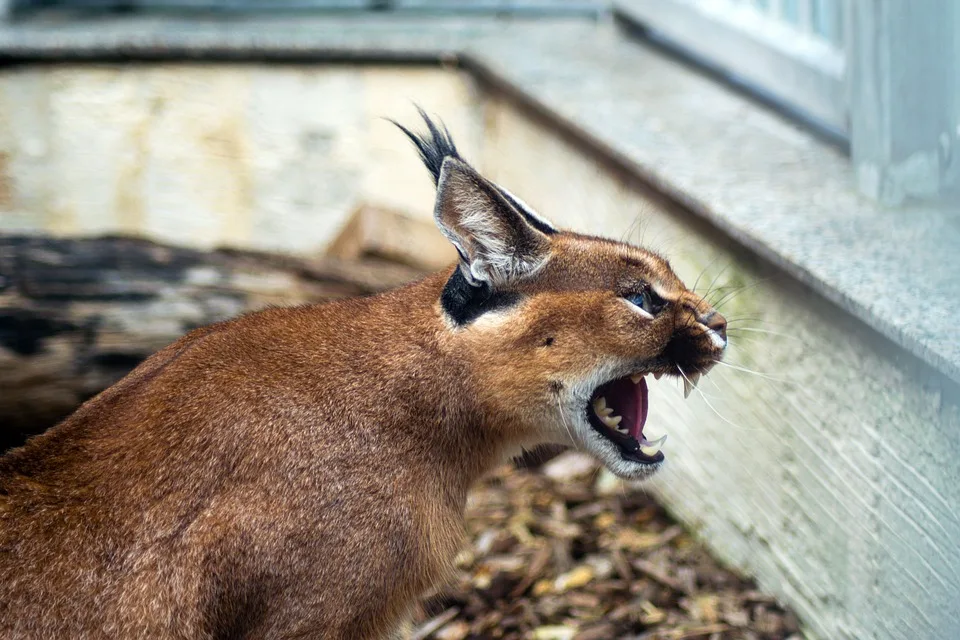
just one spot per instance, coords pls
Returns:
(883, 76)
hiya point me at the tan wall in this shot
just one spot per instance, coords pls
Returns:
(818, 464)
(266, 157)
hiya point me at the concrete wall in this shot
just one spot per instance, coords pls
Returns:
(247, 155)
(821, 460)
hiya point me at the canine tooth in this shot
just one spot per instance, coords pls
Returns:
(600, 404)
(606, 412)
(636, 378)
(650, 448)
(690, 383)
(652, 438)
(612, 421)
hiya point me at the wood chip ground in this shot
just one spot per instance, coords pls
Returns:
(568, 552)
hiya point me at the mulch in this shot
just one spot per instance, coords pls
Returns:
(568, 552)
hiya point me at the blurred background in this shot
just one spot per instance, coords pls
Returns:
(165, 164)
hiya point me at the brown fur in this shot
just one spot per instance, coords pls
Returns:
(302, 472)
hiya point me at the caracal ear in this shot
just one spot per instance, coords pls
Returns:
(496, 243)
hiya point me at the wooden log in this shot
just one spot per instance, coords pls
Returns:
(77, 314)
(395, 236)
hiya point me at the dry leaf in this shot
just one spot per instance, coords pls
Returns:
(651, 614)
(604, 521)
(555, 632)
(636, 540)
(453, 631)
(704, 608)
(608, 484)
(570, 465)
(573, 579)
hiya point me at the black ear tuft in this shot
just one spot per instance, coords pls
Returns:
(434, 146)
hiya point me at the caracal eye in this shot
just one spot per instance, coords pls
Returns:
(647, 301)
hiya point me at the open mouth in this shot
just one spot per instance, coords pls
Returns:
(618, 412)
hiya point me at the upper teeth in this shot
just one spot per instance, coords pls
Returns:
(600, 407)
(636, 378)
(605, 414)
(689, 383)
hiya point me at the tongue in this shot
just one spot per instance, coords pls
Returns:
(629, 401)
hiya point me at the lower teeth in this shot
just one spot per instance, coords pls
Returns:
(651, 448)
(648, 448)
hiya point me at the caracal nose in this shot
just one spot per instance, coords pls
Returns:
(713, 320)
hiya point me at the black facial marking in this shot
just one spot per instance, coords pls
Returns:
(465, 303)
(548, 342)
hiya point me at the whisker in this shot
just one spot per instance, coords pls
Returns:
(759, 319)
(710, 379)
(710, 289)
(596, 474)
(634, 226)
(717, 277)
(726, 298)
(563, 419)
(642, 487)
(723, 290)
(700, 391)
(703, 271)
(736, 339)
(764, 331)
(756, 373)
(712, 408)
